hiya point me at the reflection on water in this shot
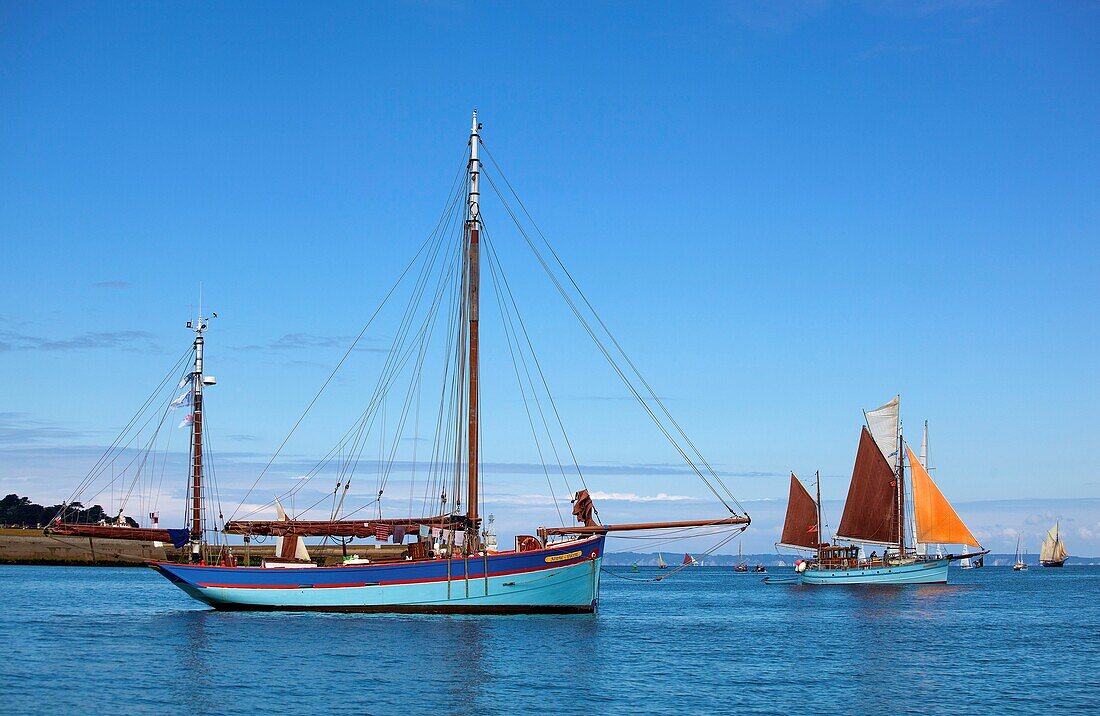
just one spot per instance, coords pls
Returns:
(705, 641)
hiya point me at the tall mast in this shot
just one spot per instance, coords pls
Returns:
(473, 222)
(901, 496)
(817, 477)
(198, 326)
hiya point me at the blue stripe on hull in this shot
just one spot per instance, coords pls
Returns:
(564, 578)
(930, 572)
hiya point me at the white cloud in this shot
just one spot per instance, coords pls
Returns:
(634, 497)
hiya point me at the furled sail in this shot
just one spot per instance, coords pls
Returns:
(291, 546)
(800, 527)
(871, 510)
(935, 518)
(883, 423)
(1053, 549)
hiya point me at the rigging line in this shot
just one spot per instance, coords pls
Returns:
(106, 458)
(665, 540)
(422, 339)
(363, 425)
(327, 381)
(123, 501)
(397, 357)
(674, 570)
(396, 370)
(497, 271)
(440, 445)
(611, 361)
(139, 453)
(508, 334)
(324, 385)
(603, 325)
(416, 439)
(494, 256)
(425, 334)
(208, 464)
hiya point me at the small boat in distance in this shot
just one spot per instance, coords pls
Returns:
(690, 561)
(1021, 565)
(741, 567)
(1053, 552)
(661, 562)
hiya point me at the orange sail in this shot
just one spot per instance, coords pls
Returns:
(800, 527)
(871, 510)
(937, 522)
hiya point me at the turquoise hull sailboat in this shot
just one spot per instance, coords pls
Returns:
(921, 572)
(875, 513)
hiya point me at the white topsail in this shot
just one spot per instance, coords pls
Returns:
(883, 422)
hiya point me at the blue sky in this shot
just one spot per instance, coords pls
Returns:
(787, 213)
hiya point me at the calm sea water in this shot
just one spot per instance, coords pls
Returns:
(705, 641)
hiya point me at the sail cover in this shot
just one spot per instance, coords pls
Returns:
(935, 518)
(800, 527)
(1053, 549)
(871, 510)
(883, 423)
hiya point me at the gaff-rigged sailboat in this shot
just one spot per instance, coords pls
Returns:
(1053, 551)
(875, 514)
(452, 564)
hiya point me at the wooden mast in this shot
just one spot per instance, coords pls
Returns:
(196, 445)
(197, 384)
(817, 476)
(473, 220)
(901, 497)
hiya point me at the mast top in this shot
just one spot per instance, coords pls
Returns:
(473, 201)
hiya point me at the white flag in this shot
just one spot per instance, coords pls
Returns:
(181, 401)
(187, 420)
(185, 380)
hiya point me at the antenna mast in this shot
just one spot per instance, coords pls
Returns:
(473, 223)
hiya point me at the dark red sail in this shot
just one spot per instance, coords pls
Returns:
(871, 510)
(800, 527)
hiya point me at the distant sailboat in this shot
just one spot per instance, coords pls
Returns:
(1021, 565)
(661, 562)
(690, 561)
(741, 566)
(1053, 552)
